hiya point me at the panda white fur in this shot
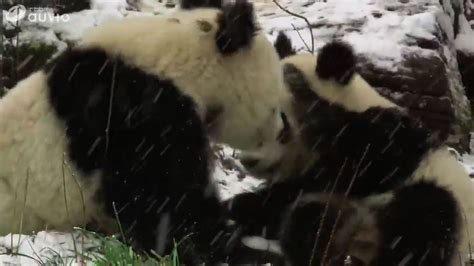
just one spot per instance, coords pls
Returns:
(117, 127)
(354, 145)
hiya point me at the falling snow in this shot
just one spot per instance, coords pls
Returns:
(382, 35)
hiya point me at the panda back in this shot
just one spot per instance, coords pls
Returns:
(35, 166)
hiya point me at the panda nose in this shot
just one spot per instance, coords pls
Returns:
(249, 162)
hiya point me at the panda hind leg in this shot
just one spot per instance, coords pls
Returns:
(331, 220)
(419, 226)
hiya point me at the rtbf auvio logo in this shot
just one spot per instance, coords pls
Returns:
(16, 13)
(34, 14)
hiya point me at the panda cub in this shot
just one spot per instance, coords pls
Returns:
(356, 160)
(117, 128)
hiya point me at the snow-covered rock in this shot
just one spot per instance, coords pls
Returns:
(406, 48)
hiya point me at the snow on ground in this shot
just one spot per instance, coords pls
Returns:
(45, 247)
(109, 4)
(230, 176)
(467, 161)
(70, 27)
(381, 28)
(377, 28)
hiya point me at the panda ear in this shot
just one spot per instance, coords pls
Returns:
(192, 4)
(336, 60)
(237, 27)
(283, 45)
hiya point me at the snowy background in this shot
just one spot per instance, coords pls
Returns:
(386, 33)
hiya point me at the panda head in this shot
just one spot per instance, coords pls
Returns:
(322, 88)
(214, 53)
(331, 76)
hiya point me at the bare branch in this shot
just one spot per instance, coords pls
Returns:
(303, 18)
(301, 37)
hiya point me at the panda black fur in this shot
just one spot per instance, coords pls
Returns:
(191, 4)
(117, 127)
(353, 142)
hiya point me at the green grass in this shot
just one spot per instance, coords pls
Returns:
(111, 251)
(114, 252)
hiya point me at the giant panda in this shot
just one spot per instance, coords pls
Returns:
(356, 160)
(115, 131)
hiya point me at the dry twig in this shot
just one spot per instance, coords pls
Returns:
(303, 18)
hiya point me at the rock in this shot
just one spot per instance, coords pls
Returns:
(420, 84)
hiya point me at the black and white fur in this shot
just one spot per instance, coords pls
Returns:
(352, 143)
(117, 127)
